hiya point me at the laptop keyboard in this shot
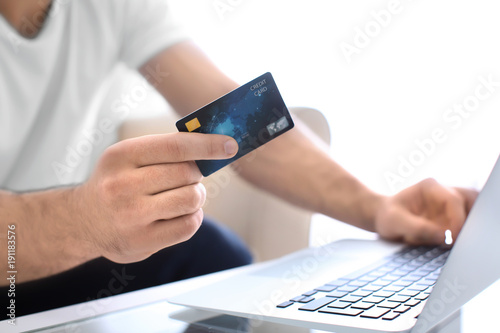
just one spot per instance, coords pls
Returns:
(385, 290)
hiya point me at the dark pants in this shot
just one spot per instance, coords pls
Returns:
(212, 248)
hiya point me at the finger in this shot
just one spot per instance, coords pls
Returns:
(153, 179)
(413, 229)
(444, 205)
(469, 196)
(177, 230)
(165, 233)
(178, 147)
(420, 231)
(177, 202)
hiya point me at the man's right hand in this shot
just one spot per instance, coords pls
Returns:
(145, 194)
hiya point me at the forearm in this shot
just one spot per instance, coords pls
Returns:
(192, 81)
(46, 241)
(301, 172)
(291, 166)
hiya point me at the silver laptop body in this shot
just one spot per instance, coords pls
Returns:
(470, 268)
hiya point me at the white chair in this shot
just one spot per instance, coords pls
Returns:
(270, 226)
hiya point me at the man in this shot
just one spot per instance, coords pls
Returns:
(73, 236)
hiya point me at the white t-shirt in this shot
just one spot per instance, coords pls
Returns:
(52, 87)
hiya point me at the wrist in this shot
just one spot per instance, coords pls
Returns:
(354, 203)
(370, 204)
(55, 221)
(81, 234)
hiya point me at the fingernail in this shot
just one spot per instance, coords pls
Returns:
(231, 147)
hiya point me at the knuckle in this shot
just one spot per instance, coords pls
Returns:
(192, 198)
(430, 181)
(194, 172)
(201, 195)
(115, 151)
(108, 187)
(112, 186)
(119, 201)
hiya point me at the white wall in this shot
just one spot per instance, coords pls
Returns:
(382, 93)
(396, 90)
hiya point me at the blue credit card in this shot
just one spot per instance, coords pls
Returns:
(252, 114)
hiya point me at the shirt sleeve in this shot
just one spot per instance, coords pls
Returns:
(148, 28)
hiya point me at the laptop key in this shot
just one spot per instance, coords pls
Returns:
(385, 269)
(399, 299)
(390, 277)
(368, 278)
(378, 273)
(393, 288)
(384, 294)
(284, 304)
(310, 293)
(426, 283)
(361, 293)
(388, 305)
(306, 299)
(317, 304)
(418, 287)
(401, 260)
(345, 312)
(391, 316)
(412, 302)
(399, 272)
(402, 309)
(337, 294)
(297, 298)
(347, 288)
(373, 299)
(365, 270)
(362, 305)
(426, 268)
(325, 288)
(422, 296)
(419, 273)
(339, 305)
(408, 292)
(381, 282)
(402, 283)
(375, 313)
(337, 283)
(358, 283)
(371, 287)
(350, 299)
(411, 278)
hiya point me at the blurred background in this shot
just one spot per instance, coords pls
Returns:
(411, 89)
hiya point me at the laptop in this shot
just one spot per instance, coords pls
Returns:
(366, 285)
